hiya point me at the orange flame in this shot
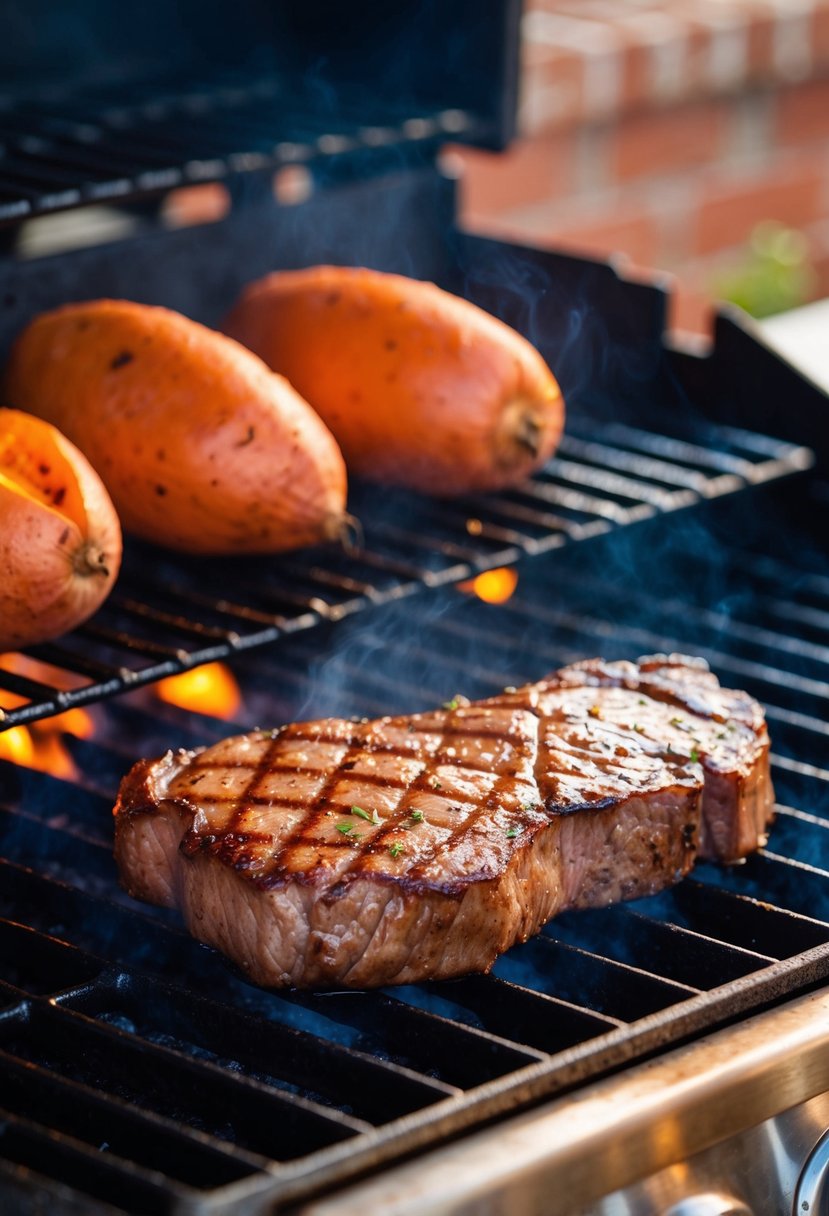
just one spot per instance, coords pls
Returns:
(40, 745)
(210, 690)
(493, 586)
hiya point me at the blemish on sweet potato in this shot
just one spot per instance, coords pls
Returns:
(196, 402)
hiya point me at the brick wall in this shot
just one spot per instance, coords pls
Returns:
(665, 132)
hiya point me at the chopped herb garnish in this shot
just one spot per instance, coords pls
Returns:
(453, 704)
(676, 722)
(642, 701)
(396, 848)
(694, 755)
(435, 783)
(640, 730)
(345, 828)
(514, 832)
(417, 816)
(721, 734)
(358, 810)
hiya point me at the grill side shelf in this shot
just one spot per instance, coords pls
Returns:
(168, 614)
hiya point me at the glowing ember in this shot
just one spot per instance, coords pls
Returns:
(493, 586)
(210, 690)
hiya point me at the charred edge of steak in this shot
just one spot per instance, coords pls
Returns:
(738, 799)
(611, 813)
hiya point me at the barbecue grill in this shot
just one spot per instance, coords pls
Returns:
(664, 1047)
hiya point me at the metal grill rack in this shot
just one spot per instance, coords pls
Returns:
(170, 613)
(139, 1072)
(73, 151)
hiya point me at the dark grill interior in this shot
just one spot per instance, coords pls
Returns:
(152, 1074)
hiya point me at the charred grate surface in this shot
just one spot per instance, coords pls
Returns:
(168, 613)
(142, 1073)
(130, 144)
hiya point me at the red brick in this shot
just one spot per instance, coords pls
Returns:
(690, 310)
(530, 171)
(790, 192)
(552, 88)
(762, 35)
(820, 34)
(720, 48)
(601, 235)
(622, 57)
(660, 142)
(803, 112)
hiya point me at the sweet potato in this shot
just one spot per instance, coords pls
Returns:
(420, 388)
(201, 447)
(60, 539)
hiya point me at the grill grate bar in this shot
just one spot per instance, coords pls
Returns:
(91, 1171)
(787, 614)
(197, 1094)
(671, 951)
(787, 764)
(636, 464)
(419, 542)
(646, 641)
(73, 662)
(751, 450)
(25, 686)
(804, 816)
(371, 1090)
(611, 988)
(738, 919)
(148, 1139)
(175, 622)
(99, 151)
(182, 623)
(462, 1055)
(337, 1065)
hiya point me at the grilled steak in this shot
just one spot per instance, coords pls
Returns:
(723, 729)
(336, 853)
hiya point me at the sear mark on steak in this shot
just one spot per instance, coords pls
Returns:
(336, 853)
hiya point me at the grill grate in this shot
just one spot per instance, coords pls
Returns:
(159, 1081)
(168, 613)
(66, 152)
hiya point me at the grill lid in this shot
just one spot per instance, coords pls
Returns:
(120, 106)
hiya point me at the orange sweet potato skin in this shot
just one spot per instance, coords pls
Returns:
(420, 388)
(201, 446)
(60, 538)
